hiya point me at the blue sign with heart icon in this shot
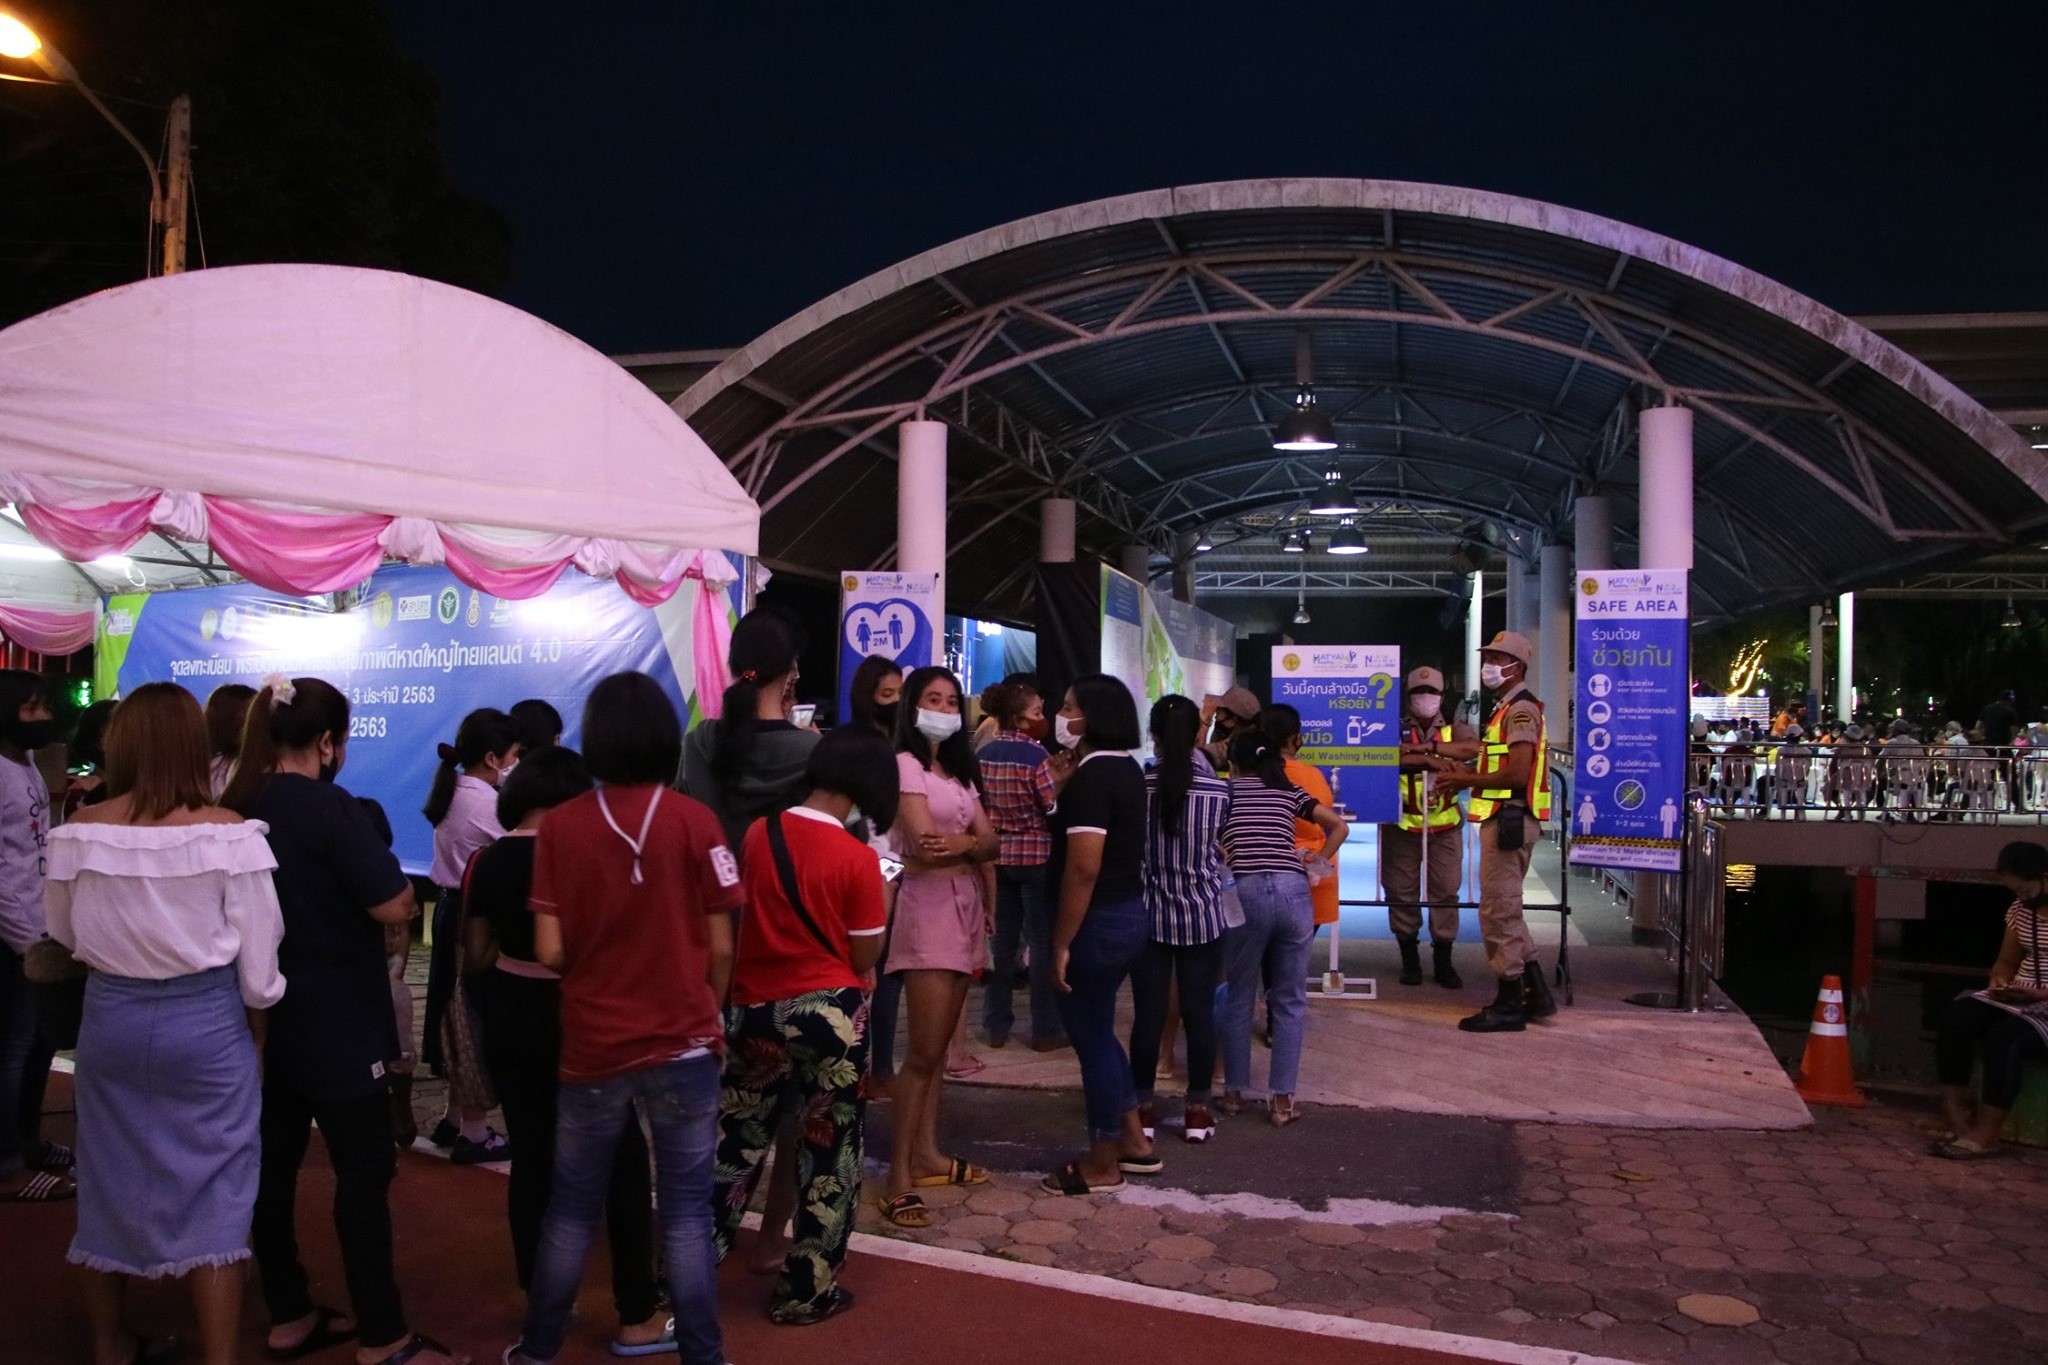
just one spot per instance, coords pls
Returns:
(889, 614)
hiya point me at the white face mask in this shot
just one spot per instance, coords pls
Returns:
(938, 726)
(1425, 705)
(1492, 676)
(1065, 733)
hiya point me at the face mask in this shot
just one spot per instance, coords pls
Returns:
(35, 734)
(1065, 733)
(1037, 728)
(938, 726)
(1492, 676)
(1425, 705)
(886, 714)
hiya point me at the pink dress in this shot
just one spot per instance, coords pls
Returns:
(939, 916)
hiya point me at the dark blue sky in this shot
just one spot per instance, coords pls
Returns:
(688, 174)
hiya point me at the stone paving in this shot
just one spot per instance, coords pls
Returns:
(1844, 1242)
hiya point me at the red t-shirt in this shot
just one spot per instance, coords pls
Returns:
(634, 986)
(840, 880)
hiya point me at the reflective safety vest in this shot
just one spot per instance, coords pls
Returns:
(1494, 757)
(1444, 811)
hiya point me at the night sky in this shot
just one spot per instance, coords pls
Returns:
(688, 174)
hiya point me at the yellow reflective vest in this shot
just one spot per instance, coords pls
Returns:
(1443, 812)
(1486, 801)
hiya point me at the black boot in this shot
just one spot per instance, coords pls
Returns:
(1411, 960)
(1537, 1001)
(1504, 1015)
(1446, 975)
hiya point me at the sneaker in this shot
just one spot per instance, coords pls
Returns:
(445, 1134)
(1201, 1124)
(1148, 1119)
(492, 1148)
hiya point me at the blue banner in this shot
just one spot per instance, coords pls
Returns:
(417, 653)
(1349, 697)
(1634, 687)
(889, 614)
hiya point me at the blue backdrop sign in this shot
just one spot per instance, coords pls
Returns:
(420, 651)
(1349, 697)
(1634, 687)
(888, 614)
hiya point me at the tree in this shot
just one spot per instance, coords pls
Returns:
(314, 139)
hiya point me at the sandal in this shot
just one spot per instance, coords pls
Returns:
(323, 1335)
(44, 1187)
(56, 1157)
(663, 1344)
(1069, 1180)
(1961, 1149)
(960, 1071)
(1232, 1103)
(959, 1173)
(905, 1211)
(415, 1345)
(1140, 1165)
(1280, 1115)
(841, 1300)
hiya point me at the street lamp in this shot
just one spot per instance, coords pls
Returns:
(166, 213)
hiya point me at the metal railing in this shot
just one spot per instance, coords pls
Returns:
(1898, 781)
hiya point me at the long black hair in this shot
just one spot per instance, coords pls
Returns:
(1176, 723)
(1251, 752)
(1107, 706)
(860, 765)
(956, 755)
(1281, 724)
(631, 733)
(315, 708)
(544, 779)
(765, 643)
(481, 734)
(861, 695)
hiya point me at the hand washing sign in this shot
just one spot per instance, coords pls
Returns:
(1628, 792)
(1349, 697)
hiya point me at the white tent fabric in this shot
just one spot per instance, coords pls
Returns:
(309, 421)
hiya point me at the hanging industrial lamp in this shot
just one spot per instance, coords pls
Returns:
(1347, 540)
(1301, 606)
(2012, 619)
(1304, 428)
(1335, 500)
(1294, 544)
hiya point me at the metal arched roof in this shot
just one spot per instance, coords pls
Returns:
(1479, 353)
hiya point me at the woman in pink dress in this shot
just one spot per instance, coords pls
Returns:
(939, 938)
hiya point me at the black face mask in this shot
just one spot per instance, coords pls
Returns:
(33, 734)
(887, 716)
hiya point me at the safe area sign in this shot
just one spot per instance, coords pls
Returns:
(1349, 697)
(1634, 688)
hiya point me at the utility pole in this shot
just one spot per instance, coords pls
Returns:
(177, 177)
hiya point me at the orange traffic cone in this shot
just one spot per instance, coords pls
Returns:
(1824, 1073)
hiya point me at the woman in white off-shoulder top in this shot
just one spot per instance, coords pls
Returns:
(168, 898)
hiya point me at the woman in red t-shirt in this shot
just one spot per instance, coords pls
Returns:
(797, 1028)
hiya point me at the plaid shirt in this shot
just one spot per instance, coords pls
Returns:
(1016, 784)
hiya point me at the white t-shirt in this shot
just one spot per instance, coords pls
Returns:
(24, 841)
(470, 824)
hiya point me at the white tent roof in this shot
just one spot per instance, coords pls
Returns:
(354, 391)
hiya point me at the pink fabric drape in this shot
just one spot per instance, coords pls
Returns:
(48, 630)
(295, 552)
(710, 635)
(82, 533)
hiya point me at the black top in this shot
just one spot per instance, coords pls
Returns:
(1106, 795)
(333, 1032)
(2000, 721)
(500, 880)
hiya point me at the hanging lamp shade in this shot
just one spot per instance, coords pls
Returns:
(1347, 540)
(1305, 429)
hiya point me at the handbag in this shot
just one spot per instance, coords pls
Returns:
(786, 870)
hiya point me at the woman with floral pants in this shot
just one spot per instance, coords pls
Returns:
(797, 1028)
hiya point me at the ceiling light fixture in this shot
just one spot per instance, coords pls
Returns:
(1304, 428)
(1335, 500)
(1301, 605)
(1202, 542)
(1347, 540)
(2012, 619)
(1294, 544)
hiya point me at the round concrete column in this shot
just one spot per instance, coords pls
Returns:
(1475, 630)
(1593, 531)
(1056, 531)
(1554, 648)
(1184, 565)
(921, 506)
(1664, 459)
(1136, 562)
(1845, 657)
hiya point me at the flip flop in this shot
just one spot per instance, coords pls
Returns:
(1140, 1165)
(56, 1157)
(1069, 1180)
(960, 1173)
(905, 1211)
(414, 1346)
(323, 1335)
(666, 1343)
(1962, 1149)
(44, 1187)
(973, 1066)
(841, 1300)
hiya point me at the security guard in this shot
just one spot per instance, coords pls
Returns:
(1510, 801)
(1431, 745)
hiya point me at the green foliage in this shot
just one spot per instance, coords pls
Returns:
(314, 139)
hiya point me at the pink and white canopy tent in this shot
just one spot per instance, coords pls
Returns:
(309, 422)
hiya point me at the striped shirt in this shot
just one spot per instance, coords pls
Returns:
(1016, 790)
(1184, 869)
(1259, 836)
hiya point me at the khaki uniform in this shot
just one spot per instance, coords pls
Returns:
(1502, 928)
(1401, 857)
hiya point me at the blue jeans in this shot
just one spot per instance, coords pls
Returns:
(1023, 912)
(1112, 936)
(1269, 950)
(24, 1067)
(681, 1103)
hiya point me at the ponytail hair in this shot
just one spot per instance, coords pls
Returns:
(1007, 701)
(1176, 723)
(1252, 754)
(481, 734)
(765, 644)
(284, 717)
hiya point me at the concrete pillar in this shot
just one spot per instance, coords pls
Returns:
(1184, 566)
(1845, 657)
(1664, 461)
(1475, 631)
(1525, 608)
(921, 509)
(1513, 584)
(1816, 652)
(1593, 531)
(1554, 652)
(1136, 562)
(1056, 531)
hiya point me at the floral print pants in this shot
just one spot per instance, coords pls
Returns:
(805, 1055)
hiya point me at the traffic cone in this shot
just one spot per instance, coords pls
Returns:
(1825, 1076)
